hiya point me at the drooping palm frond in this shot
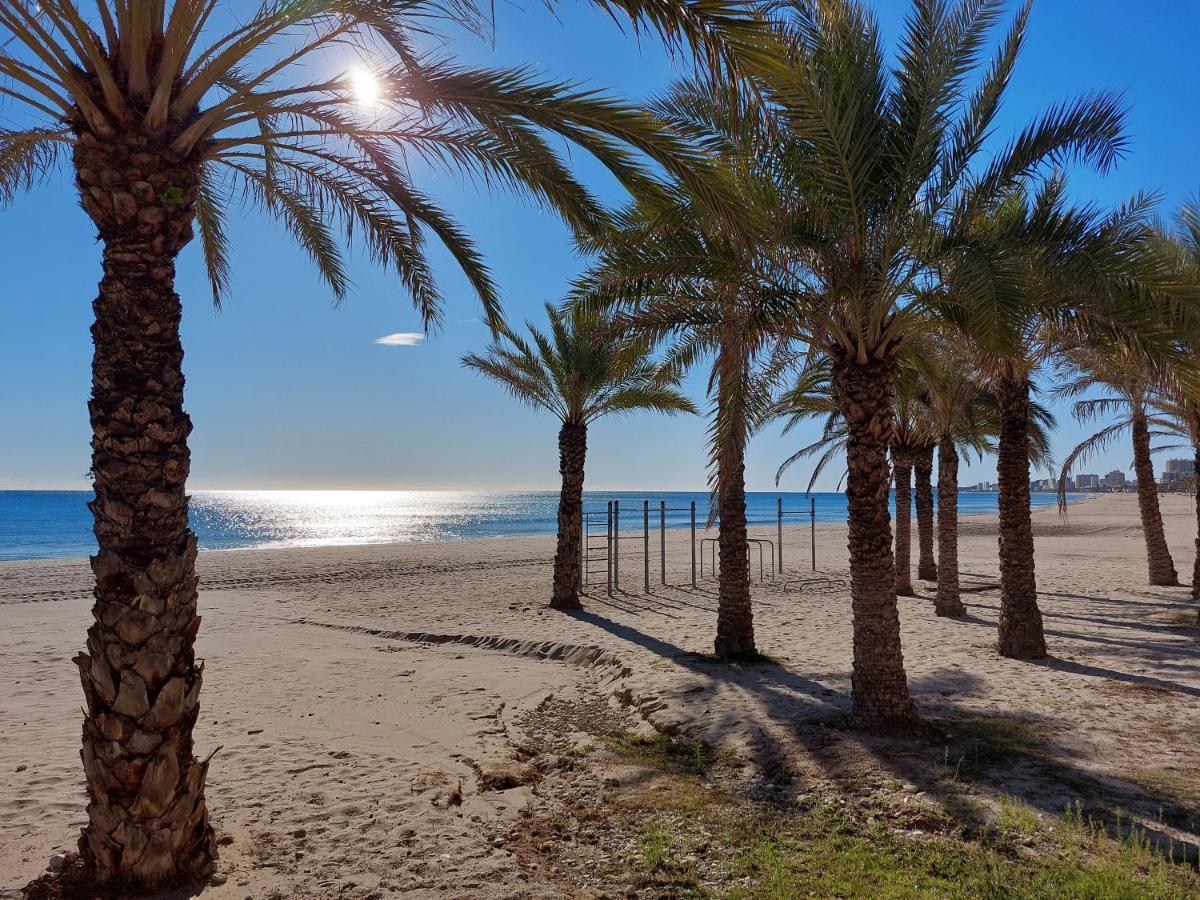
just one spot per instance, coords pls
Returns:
(581, 370)
(244, 105)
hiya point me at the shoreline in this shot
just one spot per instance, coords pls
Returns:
(633, 533)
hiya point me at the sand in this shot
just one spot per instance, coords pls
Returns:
(372, 704)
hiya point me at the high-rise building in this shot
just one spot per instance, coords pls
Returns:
(1088, 482)
(1114, 479)
(1179, 468)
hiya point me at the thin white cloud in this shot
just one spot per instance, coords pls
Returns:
(401, 339)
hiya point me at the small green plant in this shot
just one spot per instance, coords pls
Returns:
(654, 848)
(1017, 819)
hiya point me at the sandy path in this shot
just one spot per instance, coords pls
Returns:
(340, 747)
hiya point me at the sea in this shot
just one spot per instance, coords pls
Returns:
(55, 524)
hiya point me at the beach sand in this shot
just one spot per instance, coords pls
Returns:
(384, 727)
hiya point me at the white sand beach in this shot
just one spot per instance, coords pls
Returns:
(374, 711)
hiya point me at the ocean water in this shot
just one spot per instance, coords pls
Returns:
(48, 524)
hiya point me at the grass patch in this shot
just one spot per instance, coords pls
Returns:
(1017, 820)
(707, 842)
(660, 752)
(975, 745)
(789, 859)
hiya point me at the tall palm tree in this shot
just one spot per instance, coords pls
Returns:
(889, 160)
(1071, 272)
(963, 415)
(677, 274)
(1128, 385)
(578, 372)
(1181, 396)
(927, 566)
(166, 122)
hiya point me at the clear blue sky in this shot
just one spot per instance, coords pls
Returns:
(286, 392)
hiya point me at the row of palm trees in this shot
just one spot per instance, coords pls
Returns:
(883, 255)
(878, 220)
(801, 198)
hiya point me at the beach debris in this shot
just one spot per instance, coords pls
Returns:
(503, 774)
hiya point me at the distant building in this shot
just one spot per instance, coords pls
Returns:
(1115, 480)
(1088, 482)
(1179, 468)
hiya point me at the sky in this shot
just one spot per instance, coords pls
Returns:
(287, 392)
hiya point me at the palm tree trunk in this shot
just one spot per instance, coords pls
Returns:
(735, 616)
(949, 599)
(147, 819)
(1020, 633)
(1196, 489)
(865, 395)
(572, 453)
(1158, 554)
(902, 463)
(926, 566)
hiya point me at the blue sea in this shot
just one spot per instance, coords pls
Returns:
(48, 524)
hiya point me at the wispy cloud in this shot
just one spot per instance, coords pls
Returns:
(401, 339)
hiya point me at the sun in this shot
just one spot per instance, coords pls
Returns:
(367, 87)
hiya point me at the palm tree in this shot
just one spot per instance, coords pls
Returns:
(963, 415)
(1067, 272)
(579, 373)
(1128, 386)
(676, 274)
(888, 160)
(166, 123)
(927, 567)
(1180, 397)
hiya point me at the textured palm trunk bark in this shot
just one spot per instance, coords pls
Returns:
(902, 463)
(1196, 479)
(572, 454)
(1196, 488)
(1020, 633)
(1158, 554)
(735, 615)
(923, 466)
(865, 395)
(949, 597)
(147, 819)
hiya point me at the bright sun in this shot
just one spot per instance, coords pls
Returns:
(366, 86)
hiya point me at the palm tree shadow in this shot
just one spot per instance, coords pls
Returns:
(772, 689)
(965, 758)
(1078, 668)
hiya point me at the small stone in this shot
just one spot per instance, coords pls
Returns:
(910, 788)
(57, 862)
(498, 842)
(22, 768)
(218, 879)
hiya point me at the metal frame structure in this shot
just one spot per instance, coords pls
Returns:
(601, 543)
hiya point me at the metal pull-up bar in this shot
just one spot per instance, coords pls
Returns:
(606, 538)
